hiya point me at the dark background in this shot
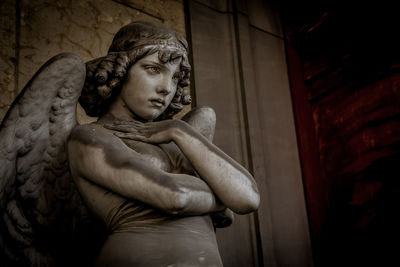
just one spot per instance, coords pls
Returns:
(344, 69)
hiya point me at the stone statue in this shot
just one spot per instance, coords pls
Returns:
(135, 188)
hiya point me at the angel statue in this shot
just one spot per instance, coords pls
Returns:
(134, 188)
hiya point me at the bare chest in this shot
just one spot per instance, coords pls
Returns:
(152, 153)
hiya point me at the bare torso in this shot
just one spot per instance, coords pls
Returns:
(140, 235)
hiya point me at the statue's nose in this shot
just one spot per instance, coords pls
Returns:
(163, 90)
(164, 87)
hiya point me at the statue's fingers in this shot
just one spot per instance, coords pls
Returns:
(118, 128)
(122, 128)
(152, 126)
(118, 122)
(132, 136)
(128, 123)
(146, 131)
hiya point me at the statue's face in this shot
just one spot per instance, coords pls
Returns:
(150, 86)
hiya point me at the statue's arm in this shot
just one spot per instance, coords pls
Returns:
(203, 120)
(100, 157)
(230, 182)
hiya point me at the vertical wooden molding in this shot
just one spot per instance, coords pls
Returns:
(314, 182)
(188, 26)
(259, 252)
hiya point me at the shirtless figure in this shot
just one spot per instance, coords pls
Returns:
(154, 181)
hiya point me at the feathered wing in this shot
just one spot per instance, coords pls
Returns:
(39, 204)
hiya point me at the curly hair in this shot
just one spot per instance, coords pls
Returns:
(105, 75)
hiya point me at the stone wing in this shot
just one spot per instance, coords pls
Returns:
(39, 204)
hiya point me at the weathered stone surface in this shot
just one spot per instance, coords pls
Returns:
(240, 71)
(263, 15)
(171, 12)
(281, 162)
(223, 6)
(217, 85)
(7, 55)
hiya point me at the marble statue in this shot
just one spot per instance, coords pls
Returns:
(136, 187)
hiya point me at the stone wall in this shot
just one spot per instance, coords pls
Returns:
(240, 71)
(34, 31)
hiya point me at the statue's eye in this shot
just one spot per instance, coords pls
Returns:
(153, 69)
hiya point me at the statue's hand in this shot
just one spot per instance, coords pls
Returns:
(150, 132)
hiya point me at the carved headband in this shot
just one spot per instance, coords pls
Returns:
(143, 33)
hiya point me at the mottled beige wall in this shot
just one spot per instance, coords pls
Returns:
(44, 28)
(7, 54)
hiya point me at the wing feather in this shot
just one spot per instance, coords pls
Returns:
(36, 190)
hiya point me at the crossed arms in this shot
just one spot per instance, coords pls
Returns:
(102, 158)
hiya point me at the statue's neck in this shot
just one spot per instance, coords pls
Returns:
(119, 111)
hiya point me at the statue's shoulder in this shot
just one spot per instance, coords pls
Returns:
(203, 119)
(86, 132)
(93, 134)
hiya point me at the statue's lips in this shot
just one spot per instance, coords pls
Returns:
(157, 102)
